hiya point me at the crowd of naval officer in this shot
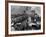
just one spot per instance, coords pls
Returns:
(26, 21)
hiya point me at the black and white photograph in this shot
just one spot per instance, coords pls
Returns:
(25, 18)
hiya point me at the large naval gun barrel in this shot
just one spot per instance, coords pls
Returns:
(20, 19)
